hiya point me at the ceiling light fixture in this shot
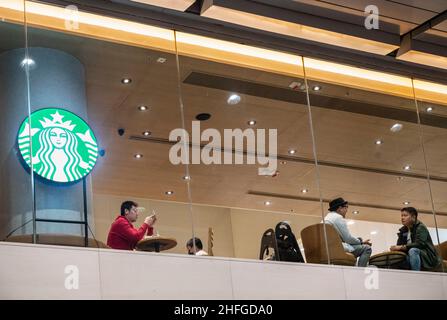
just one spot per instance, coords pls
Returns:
(27, 62)
(142, 108)
(429, 109)
(126, 80)
(379, 142)
(267, 203)
(203, 116)
(355, 212)
(283, 162)
(234, 99)
(316, 88)
(251, 122)
(373, 233)
(406, 203)
(186, 178)
(161, 60)
(138, 156)
(396, 127)
(407, 167)
(170, 192)
(292, 151)
(304, 190)
(146, 133)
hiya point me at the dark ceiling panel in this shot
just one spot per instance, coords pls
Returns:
(430, 5)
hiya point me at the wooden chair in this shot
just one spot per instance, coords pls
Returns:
(442, 250)
(315, 247)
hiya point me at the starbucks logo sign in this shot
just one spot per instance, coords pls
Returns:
(64, 146)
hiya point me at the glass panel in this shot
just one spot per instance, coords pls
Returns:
(16, 187)
(370, 158)
(120, 78)
(234, 111)
(430, 99)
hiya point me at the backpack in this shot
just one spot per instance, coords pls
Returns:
(288, 249)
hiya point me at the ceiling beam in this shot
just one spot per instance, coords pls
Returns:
(289, 21)
(413, 50)
(195, 24)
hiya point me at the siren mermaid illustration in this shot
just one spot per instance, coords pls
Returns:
(58, 157)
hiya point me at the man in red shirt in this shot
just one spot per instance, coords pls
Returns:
(122, 234)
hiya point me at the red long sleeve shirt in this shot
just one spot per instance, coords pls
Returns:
(124, 236)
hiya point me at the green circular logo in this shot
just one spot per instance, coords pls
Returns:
(64, 146)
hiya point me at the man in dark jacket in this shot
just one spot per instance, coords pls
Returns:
(415, 240)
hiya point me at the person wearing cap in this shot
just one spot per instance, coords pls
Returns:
(122, 234)
(336, 217)
(415, 240)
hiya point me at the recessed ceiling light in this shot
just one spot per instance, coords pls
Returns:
(27, 62)
(234, 99)
(379, 142)
(251, 122)
(304, 190)
(283, 162)
(267, 203)
(406, 202)
(429, 109)
(316, 88)
(126, 80)
(292, 151)
(161, 60)
(407, 167)
(355, 212)
(186, 178)
(170, 192)
(396, 127)
(146, 133)
(373, 232)
(138, 156)
(351, 222)
(142, 108)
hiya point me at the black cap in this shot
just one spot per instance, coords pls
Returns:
(336, 203)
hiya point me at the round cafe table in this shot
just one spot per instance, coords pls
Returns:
(156, 243)
(387, 259)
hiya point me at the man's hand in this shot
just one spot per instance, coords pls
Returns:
(396, 248)
(150, 220)
(368, 242)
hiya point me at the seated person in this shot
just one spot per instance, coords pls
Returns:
(415, 240)
(122, 234)
(336, 217)
(195, 246)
